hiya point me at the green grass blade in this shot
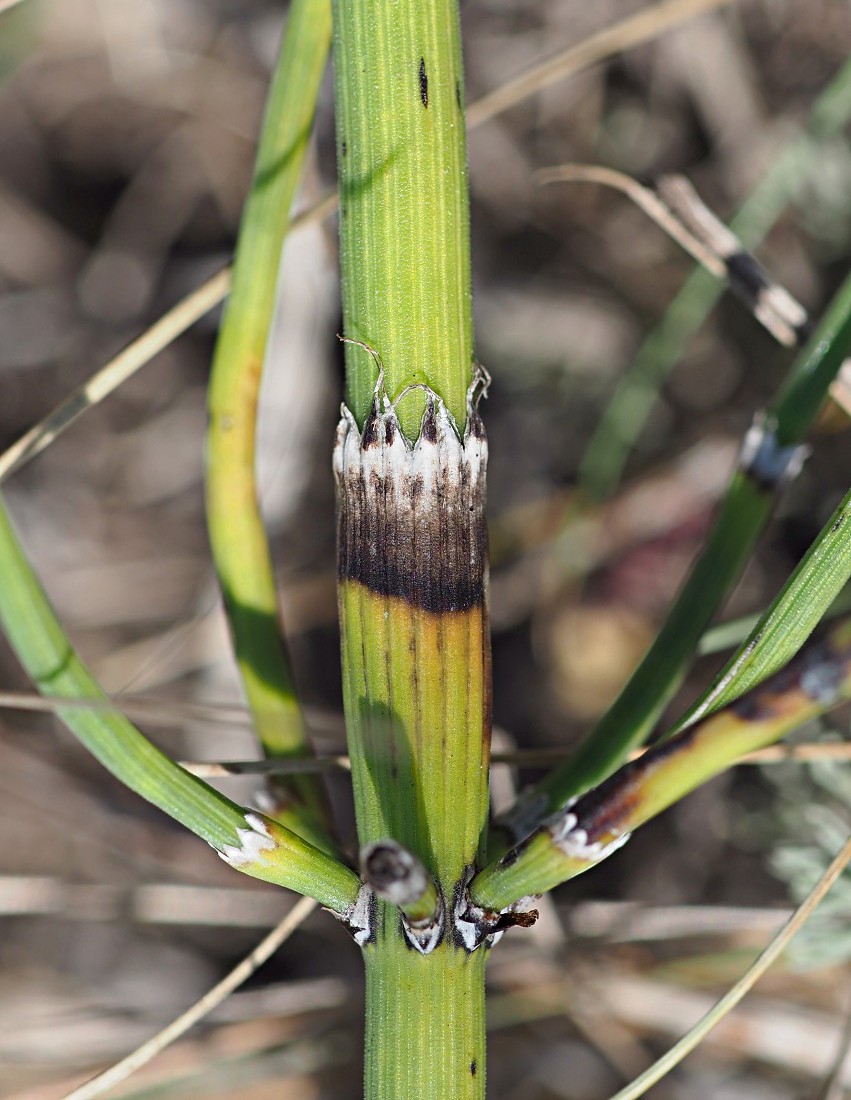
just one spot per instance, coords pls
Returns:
(635, 396)
(792, 617)
(240, 547)
(45, 652)
(743, 514)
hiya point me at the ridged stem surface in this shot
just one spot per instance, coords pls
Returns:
(403, 201)
(425, 1021)
(411, 543)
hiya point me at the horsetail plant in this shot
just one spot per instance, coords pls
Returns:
(435, 888)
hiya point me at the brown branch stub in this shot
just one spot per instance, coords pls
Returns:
(475, 926)
(397, 876)
(393, 872)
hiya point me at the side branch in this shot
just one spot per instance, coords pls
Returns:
(237, 534)
(588, 829)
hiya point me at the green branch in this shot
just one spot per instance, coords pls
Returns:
(590, 829)
(45, 652)
(742, 516)
(237, 535)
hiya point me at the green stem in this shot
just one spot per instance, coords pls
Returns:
(425, 1020)
(411, 539)
(404, 221)
(237, 535)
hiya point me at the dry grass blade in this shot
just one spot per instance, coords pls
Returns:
(223, 768)
(140, 708)
(645, 199)
(643, 27)
(728, 1002)
(124, 365)
(171, 325)
(840, 391)
(838, 751)
(97, 1086)
(679, 212)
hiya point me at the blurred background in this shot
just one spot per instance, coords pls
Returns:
(127, 134)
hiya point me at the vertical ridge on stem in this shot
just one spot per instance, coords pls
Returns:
(412, 556)
(404, 218)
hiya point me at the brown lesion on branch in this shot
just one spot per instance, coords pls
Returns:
(615, 806)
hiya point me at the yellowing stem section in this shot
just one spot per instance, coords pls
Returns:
(416, 688)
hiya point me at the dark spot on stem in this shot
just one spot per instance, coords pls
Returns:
(840, 519)
(458, 94)
(423, 82)
(344, 149)
(473, 1067)
(514, 853)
